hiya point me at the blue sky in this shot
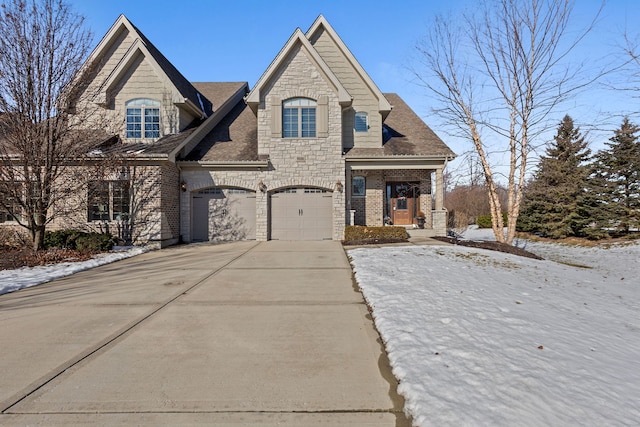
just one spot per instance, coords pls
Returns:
(235, 40)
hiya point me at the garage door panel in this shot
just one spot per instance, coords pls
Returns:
(224, 215)
(301, 214)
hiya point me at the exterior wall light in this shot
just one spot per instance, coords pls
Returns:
(262, 186)
(339, 186)
(183, 186)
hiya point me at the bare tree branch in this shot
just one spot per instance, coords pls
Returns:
(497, 78)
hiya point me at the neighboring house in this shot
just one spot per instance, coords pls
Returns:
(314, 146)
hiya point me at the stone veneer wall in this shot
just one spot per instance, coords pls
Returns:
(314, 162)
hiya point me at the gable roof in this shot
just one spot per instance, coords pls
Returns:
(184, 93)
(297, 39)
(322, 24)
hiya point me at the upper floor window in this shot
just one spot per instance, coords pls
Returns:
(299, 118)
(143, 118)
(361, 123)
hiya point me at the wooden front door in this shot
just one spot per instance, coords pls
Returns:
(403, 202)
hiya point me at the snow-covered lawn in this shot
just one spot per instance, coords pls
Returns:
(477, 337)
(12, 280)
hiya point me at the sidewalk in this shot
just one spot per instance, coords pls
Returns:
(243, 333)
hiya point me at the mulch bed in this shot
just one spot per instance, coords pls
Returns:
(11, 258)
(494, 246)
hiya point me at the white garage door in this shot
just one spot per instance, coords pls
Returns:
(224, 214)
(301, 214)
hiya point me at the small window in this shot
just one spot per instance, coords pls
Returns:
(358, 186)
(299, 118)
(362, 122)
(143, 118)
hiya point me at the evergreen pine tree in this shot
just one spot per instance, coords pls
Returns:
(617, 178)
(554, 200)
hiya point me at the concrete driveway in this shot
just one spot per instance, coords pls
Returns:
(246, 333)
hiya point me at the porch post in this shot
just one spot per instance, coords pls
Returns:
(439, 190)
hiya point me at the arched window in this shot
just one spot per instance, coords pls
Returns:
(299, 118)
(143, 118)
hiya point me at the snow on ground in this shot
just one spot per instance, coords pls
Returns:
(12, 280)
(478, 337)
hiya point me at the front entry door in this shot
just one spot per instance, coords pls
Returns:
(403, 202)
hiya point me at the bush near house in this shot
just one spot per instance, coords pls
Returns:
(359, 234)
(78, 240)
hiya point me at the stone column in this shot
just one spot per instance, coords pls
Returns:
(262, 217)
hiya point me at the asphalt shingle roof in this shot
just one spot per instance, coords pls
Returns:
(404, 134)
(218, 92)
(235, 138)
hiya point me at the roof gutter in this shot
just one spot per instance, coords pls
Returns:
(399, 162)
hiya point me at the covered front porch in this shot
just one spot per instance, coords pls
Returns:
(396, 194)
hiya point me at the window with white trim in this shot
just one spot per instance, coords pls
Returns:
(299, 118)
(361, 123)
(358, 186)
(143, 118)
(108, 200)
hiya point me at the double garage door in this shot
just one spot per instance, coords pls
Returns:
(223, 214)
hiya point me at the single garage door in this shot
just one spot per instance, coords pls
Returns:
(224, 214)
(301, 214)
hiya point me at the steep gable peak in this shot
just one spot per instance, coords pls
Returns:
(183, 93)
(322, 25)
(296, 40)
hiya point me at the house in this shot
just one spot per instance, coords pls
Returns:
(312, 147)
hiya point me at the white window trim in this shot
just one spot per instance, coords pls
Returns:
(143, 104)
(299, 104)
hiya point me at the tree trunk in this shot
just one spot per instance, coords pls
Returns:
(38, 237)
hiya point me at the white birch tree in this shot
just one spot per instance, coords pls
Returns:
(496, 79)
